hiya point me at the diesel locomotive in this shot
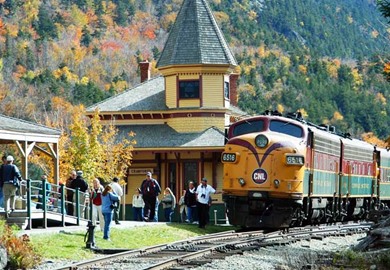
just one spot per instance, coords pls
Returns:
(281, 172)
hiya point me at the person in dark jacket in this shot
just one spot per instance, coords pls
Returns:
(190, 201)
(150, 190)
(70, 193)
(8, 176)
(82, 185)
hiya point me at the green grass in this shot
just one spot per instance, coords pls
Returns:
(71, 245)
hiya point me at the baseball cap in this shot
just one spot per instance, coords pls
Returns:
(204, 179)
(149, 174)
(10, 158)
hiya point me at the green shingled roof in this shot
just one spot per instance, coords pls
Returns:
(195, 38)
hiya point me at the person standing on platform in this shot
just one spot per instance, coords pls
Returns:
(138, 205)
(169, 204)
(96, 197)
(190, 201)
(118, 191)
(82, 185)
(8, 175)
(40, 193)
(203, 195)
(150, 190)
(108, 198)
(182, 208)
(4, 159)
(69, 193)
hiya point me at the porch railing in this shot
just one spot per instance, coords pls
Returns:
(36, 197)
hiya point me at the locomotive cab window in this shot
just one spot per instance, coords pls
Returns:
(189, 89)
(286, 128)
(248, 127)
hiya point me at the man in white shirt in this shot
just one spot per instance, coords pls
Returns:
(118, 191)
(203, 192)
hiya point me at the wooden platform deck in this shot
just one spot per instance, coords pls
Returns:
(39, 219)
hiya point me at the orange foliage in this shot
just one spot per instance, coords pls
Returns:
(20, 71)
(3, 30)
(371, 138)
(149, 33)
(111, 45)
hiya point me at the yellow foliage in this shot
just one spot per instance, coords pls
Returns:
(303, 112)
(79, 18)
(280, 108)
(247, 88)
(252, 15)
(119, 86)
(302, 23)
(302, 69)
(371, 138)
(285, 61)
(349, 19)
(70, 77)
(386, 68)
(381, 98)
(261, 51)
(337, 116)
(222, 17)
(358, 78)
(332, 69)
(374, 33)
(84, 80)
(168, 20)
(326, 121)
(12, 30)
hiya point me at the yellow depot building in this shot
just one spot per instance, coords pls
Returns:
(180, 117)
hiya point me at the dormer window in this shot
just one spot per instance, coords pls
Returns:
(189, 89)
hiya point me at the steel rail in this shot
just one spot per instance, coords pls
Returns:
(243, 239)
(147, 250)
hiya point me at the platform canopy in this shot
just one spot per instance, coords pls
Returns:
(28, 136)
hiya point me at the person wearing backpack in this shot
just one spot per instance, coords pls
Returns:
(10, 178)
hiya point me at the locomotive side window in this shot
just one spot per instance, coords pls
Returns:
(248, 127)
(286, 128)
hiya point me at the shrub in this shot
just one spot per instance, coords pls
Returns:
(21, 254)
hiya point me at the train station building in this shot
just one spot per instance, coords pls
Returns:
(179, 118)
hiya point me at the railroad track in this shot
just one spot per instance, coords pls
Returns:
(200, 250)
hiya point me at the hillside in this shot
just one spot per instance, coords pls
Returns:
(325, 59)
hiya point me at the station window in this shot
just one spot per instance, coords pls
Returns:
(227, 90)
(189, 89)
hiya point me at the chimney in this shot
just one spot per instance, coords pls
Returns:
(233, 78)
(145, 70)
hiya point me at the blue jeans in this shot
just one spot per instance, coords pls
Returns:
(168, 214)
(192, 215)
(107, 223)
(1, 197)
(137, 213)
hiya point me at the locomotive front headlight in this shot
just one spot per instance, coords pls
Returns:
(261, 141)
(276, 183)
(241, 181)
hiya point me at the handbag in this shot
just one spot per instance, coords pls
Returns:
(16, 182)
(114, 205)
